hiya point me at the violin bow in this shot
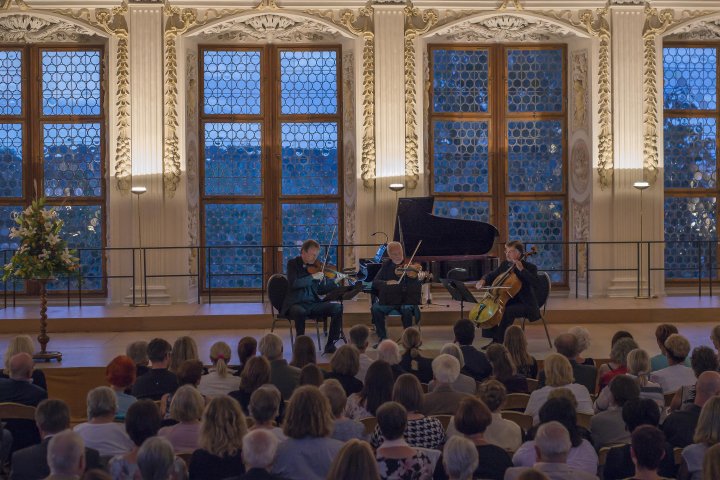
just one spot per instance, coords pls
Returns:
(327, 250)
(411, 259)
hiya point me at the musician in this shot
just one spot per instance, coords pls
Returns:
(388, 276)
(524, 304)
(303, 298)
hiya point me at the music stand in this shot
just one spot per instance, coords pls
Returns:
(458, 292)
(341, 294)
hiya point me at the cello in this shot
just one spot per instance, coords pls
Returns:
(489, 310)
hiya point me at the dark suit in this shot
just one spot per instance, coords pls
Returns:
(31, 463)
(679, 427)
(442, 401)
(256, 474)
(154, 384)
(585, 375)
(476, 363)
(24, 432)
(379, 312)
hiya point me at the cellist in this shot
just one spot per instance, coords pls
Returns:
(524, 304)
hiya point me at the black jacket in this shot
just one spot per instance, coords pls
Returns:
(530, 280)
(18, 391)
(476, 363)
(31, 463)
(154, 384)
(303, 287)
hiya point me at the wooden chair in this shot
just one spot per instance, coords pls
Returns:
(516, 401)
(16, 411)
(677, 455)
(425, 387)
(532, 384)
(669, 398)
(603, 453)
(524, 421)
(543, 293)
(186, 457)
(583, 420)
(370, 424)
(444, 419)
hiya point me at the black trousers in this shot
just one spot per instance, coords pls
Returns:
(514, 309)
(302, 311)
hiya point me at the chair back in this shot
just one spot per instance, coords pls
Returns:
(516, 401)
(425, 387)
(583, 420)
(669, 398)
(444, 419)
(542, 289)
(277, 288)
(677, 455)
(524, 421)
(16, 411)
(532, 384)
(370, 424)
(186, 457)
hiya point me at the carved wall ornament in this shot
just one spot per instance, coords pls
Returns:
(627, 2)
(349, 155)
(580, 90)
(580, 166)
(505, 28)
(515, 4)
(192, 150)
(6, 4)
(580, 212)
(270, 28)
(27, 28)
(709, 30)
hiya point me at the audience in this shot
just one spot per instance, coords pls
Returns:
(311, 375)
(137, 351)
(608, 427)
(344, 428)
(255, 374)
(703, 359)
(189, 373)
(258, 452)
(246, 349)
(516, 344)
(679, 426)
(567, 345)
(186, 408)
(460, 459)
(389, 352)
(285, 377)
(676, 374)
(220, 379)
(264, 409)
(443, 400)
(707, 434)
(65, 456)
(501, 432)
(344, 365)
(355, 461)
(101, 432)
(156, 461)
(183, 349)
(158, 380)
(638, 365)
(618, 361)
(19, 386)
(411, 361)
(376, 391)
(558, 374)
(120, 374)
(22, 344)
(503, 369)
(711, 462)
(583, 338)
(476, 363)
(715, 339)
(359, 335)
(647, 452)
(662, 332)
(395, 458)
(303, 352)
(464, 383)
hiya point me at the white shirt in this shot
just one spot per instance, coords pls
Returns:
(503, 433)
(540, 396)
(673, 377)
(583, 457)
(109, 439)
(365, 362)
(213, 385)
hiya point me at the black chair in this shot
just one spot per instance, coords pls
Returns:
(542, 290)
(277, 288)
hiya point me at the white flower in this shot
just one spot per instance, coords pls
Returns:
(47, 214)
(28, 211)
(44, 255)
(53, 239)
(14, 233)
(65, 257)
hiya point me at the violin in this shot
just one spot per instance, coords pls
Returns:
(412, 270)
(330, 271)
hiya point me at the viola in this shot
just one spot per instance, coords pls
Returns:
(330, 271)
(411, 270)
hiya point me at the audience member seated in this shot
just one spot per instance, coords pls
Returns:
(359, 335)
(255, 374)
(567, 345)
(258, 452)
(222, 430)
(19, 386)
(608, 427)
(582, 455)
(703, 359)
(308, 451)
(395, 458)
(711, 462)
(662, 332)
(618, 361)
(421, 431)
(22, 344)
(620, 334)
(583, 337)
(246, 349)
(264, 409)
(303, 352)
(101, 432)
(65, 456)
(156, 461)
(647, 452)
(120, 374)
(516, 345)
(51, 417)
(503, 433)
(311, 375)
(183, 349)
(676, 374)
(464, 383)
(344, 428)
(638, 364)
(412, 361)
(618, 463)
(186, 408)
(158, 380)
(96, 474)
(344, 365)
(355, 461)
(553, 447)
(220, 380)
(389, 351)
(679, 426)
(459, 458)
(476, 363)
(558, 374)
(285, 377)
(707, 434)
(189, 373)
(503, 369)
(138, 352)
(376, 391)
(443, 400)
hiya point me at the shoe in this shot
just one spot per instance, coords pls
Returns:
(330, 348)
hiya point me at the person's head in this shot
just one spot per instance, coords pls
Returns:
(264, 404)
(620, 350)
(407, 391)
(138, 352)
(677, 348)
(516, 343)
(259, 448)
(309, 251)
(464, 331)
(567, 345)
(255, 373)
(647, 447)
(52, 416)
(662, 332)
(101, 402)
(158, 352)
(711, 462)
(618, 335)
(583, 338)
(514, 250)
(308, 414)
(303, 351)
(460, 458)
(66, 454)
(411, 340)
(640, 411)
(378, 385)
(395, 252)
(706, 387)
(183, 349)
(707, 430)
(392, 420)
(220, 354)
(503, 367)
(638, 362)
(187, 404)
(20, 366)
(223, 427)
(623, 389)
(311, 374)
(561, 409)
(120, 372)
(336, 395)
(355, 461)
(389, 352)
(552, 442)
(359, 335)
(155, 459)
(271, 346)
(472, 417)
(563, 392)
(558, 371)
(492, 393)
(246, 348)
(142, 421)
(345, 361)
(18, 344)
(703, 359)
(190, 372)
(446, 369)
(715, 337)
(454, 350)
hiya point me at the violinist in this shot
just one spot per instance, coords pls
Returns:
(303, 298)
(390, 274)
(524, 304)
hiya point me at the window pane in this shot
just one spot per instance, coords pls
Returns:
(309, 158)
(229, 226)
(301, 221)
(691, 218)
(465, 210)
(10, 82)
(233, 159)
(72, 160)
(11, 164)
(690, 78)
(535, 157)
(460, 80)
(690, 152)
(232, 82)
(71, 82)
(536, 221)
(535, 80)
(460, 157)
(308, 82)
(7, 245)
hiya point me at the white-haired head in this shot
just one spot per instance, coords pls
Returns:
(552, 442)
(460, 458)
(259, 448)
(454, 350)
(271, 346)
(66, 454)
(389, 351)
(156, 458)
(446, 368)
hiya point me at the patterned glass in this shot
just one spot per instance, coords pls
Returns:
(233, 159)
(8, 246)
(233, 229)
(535, 157)
(231, 82)
(301, 221)
(10, 82)
(460, 80)
(71, 82)
(535, 80)
(537, 221)
(690, 152)
(465, 210)
(309, 158)
(11, 164)
(460, 157)
(308, 82)
(690, 75)
(691, 219)
(72, 160)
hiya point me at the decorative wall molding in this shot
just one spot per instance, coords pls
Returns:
(580, 99)
(6, 4)
(580, 167)
(193, 155)
(709, 30)
(349, 155)
(27, 28)
(580, 212)
(626, 2)
(270, 27)
(426, 119)
(506, 28)
(515, 4)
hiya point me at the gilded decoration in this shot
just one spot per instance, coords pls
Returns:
(270, 28)
(349, 149)
(580, 166)
(27, 28)
(581, 232)
(580, 91)
(505, 28)
(709, 30)
(6, 4)
(193, 183)
(515, 4)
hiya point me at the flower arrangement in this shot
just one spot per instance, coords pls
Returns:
(42, 253)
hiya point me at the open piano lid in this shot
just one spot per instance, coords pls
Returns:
(441, 236)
